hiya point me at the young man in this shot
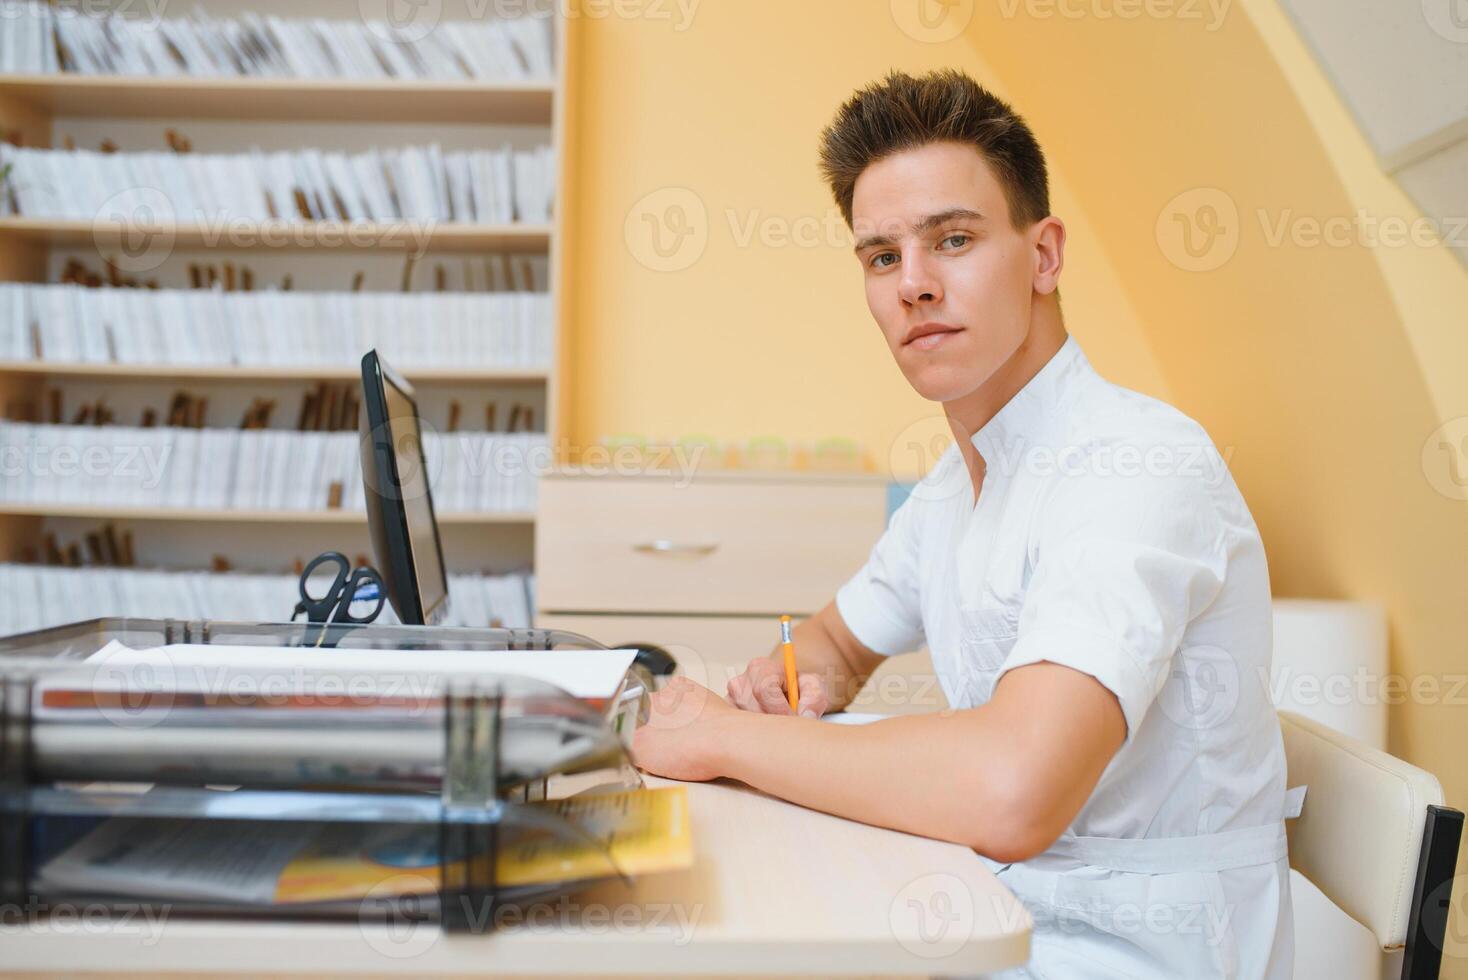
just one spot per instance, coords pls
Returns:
(1081, 566)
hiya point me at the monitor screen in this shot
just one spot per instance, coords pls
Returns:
(399, 499)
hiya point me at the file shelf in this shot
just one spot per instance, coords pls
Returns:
(102, 512)
(29, 104)
(281, 99)
(277, 236)
(249, 372)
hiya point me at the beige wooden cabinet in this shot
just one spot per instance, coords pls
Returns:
(704, 568)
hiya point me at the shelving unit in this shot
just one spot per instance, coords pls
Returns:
(30, 105)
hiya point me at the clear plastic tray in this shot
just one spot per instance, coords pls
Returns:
(455, 767)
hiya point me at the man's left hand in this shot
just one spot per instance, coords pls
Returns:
(685, 724)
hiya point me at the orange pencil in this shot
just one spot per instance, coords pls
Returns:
(792, 684)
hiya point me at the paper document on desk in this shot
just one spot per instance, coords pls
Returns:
(635, 832)
(853, 718)
(587, 674)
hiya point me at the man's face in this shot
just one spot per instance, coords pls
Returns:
(948, 279)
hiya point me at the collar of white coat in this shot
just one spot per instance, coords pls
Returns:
(1022, 423)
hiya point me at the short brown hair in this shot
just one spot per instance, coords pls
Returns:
(903, 113)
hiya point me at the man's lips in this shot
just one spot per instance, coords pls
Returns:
(926, 336)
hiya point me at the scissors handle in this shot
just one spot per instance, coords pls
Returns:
(335, 606)
(343, 567)
(319, 609)
(365, 584)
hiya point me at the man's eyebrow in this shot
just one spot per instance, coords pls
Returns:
(943, 217)
(924, 225)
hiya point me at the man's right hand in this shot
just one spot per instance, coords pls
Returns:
(761, 688)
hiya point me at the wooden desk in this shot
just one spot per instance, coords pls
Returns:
(775, 888)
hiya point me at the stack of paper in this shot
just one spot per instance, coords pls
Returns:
(290, 716)
(635, 832)
(421, 184)
(253, 469)
(41, 37)
(41, 596)
(75, 324)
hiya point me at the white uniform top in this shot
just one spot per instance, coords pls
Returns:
(1110, 537)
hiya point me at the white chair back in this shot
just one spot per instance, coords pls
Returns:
(1360, 837)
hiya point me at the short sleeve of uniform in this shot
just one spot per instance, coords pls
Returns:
(1123, 565)
(881, 604)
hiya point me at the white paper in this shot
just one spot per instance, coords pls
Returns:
(188, 667)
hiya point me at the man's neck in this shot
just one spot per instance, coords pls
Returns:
(969, 414)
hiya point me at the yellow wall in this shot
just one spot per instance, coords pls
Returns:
(1426, 532)
(1325, 370)
(756, 339)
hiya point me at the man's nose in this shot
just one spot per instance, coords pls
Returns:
(919, 283)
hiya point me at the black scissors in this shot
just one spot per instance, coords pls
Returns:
(360, 585)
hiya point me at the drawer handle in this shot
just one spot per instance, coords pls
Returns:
(662, 546)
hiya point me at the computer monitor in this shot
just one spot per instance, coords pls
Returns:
(399, 501)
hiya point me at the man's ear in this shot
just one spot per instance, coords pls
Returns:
(1048, 235)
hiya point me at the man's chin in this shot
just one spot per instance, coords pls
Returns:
(939, 384)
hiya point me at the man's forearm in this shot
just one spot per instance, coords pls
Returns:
(1006, 778)
(886, 773)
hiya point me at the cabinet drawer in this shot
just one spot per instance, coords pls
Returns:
(713, 546)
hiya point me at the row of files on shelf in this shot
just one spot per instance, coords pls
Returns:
(271, 328)
(161, 188)
(255, 469)
(45, 37)
(41, 596)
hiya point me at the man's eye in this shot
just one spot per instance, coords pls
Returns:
(877, 260)
(961, 239)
